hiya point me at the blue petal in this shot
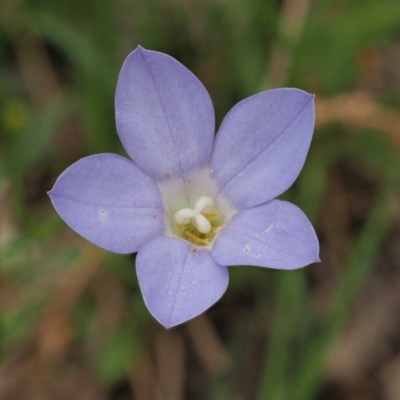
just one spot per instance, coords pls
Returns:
(110, 202)
(164, 115)
(261, 146)
(275, 235)
(178, 281)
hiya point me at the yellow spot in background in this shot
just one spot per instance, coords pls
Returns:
(14, 116)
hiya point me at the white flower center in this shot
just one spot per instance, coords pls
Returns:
(198, 216)
(194, 210)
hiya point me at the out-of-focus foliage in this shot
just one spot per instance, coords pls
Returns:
(72, 321)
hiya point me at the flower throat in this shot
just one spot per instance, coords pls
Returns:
(200, 224)
(194, 211)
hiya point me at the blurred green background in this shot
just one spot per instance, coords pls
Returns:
(72, 321)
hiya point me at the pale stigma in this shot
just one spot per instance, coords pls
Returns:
(198, 215)
(184, 216)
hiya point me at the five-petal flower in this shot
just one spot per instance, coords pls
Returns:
(191, 206)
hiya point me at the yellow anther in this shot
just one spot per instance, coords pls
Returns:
(210, 215)
(196, 239)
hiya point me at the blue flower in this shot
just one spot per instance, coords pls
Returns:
(189, 204)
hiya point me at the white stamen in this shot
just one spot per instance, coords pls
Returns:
(184, 216)
(202, 223)
(204, 203)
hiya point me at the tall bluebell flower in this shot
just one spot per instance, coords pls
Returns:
(188, 204)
